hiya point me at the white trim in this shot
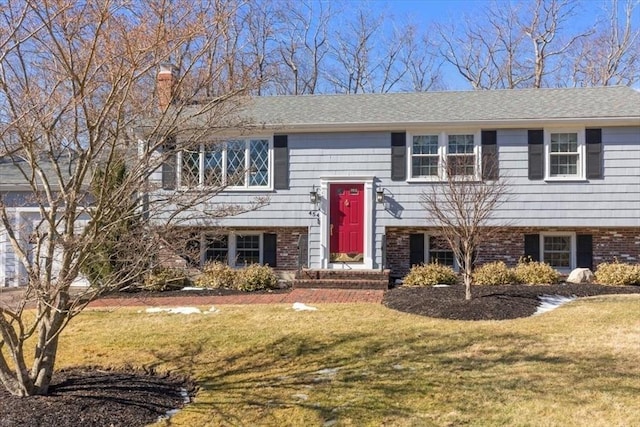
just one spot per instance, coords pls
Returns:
(582, 160)
(325, 209)
(573, 249)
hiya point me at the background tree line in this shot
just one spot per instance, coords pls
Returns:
(299, 47)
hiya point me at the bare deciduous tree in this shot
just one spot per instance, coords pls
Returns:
(77, 85)
(611, 56)
(513, 46)
(303, 46)
(462, 207)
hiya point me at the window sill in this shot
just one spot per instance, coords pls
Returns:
(566, 179)
(224, 190)
(464, 179)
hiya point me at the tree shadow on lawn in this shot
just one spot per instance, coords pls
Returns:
(360, 376)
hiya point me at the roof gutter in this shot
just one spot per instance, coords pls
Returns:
(486, 124)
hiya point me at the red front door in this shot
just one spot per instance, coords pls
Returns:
(346, 222)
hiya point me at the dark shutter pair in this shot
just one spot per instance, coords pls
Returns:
(594, 158)
(280, 163)
(489, 155)
(584, 249)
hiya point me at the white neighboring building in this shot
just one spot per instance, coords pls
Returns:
(24, 213)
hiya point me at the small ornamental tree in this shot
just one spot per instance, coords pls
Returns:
(84, 121)
(462, 206)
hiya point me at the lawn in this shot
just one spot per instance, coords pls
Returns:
(363, 364)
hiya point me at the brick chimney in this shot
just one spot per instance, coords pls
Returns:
(166, 85)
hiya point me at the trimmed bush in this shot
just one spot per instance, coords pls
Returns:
(493, 273)
(535, 273)
(430, 274)
(255, 277)
(164, 279)
(618, 274)
(216, 275)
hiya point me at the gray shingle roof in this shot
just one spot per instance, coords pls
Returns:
(446, 107)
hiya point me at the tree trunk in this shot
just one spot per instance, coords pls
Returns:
(468, 273)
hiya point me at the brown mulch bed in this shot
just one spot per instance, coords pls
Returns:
(95, 397)
(488, 302)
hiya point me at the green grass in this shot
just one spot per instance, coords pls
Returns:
(367, 365)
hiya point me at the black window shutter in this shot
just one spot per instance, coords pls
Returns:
(490, 166)
(170, 164)
(536, 154)
(398, 156)
(584, 251)
(594, 153)
(303, 251)
(280, 162)
(269, 254)
(532, 246)
(416, 249)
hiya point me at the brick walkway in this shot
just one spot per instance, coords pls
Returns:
(307, 296)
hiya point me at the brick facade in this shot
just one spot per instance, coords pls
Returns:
(609, 244)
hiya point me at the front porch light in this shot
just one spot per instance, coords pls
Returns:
(313, 196)
(380, 195)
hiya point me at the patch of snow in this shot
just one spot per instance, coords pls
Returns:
(170, 413)
(174, 310)
(212, 310)
(330, 423)
(300, 396)
(298, 306)
(398, 367)
(441, 285)
(327, 372)
(550, 302)
(193, 288)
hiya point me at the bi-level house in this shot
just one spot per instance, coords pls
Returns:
(345, 174)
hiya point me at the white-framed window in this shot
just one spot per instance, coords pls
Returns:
(425, 156)
(436, 155)
(558, 250)
(237, 250)
(216, 248)
(564, 154)
(437, 250)
(248, 249)
(235, 163)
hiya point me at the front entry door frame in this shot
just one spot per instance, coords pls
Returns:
(325, 184)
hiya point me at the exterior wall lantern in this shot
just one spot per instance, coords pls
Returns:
(380, 195)
(314, 198)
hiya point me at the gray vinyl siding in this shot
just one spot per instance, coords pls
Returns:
(612, 201)
(312, 156)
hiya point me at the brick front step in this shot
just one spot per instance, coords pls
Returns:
(340, 284)
(343, 274)
(342, 279)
